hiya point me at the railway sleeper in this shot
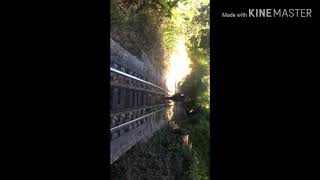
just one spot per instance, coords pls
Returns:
(131, 126)
(127, 129)
(138, 123)
(114, 135)
(121, 131)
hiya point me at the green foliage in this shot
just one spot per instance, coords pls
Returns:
(163, 152)
(192, 24)
(170, 35)
(188, 20)
(136, 25)
(197, 83)
(199, 128)
(168, 5)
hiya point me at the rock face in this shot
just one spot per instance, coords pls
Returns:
(144, 66)
(123, 58)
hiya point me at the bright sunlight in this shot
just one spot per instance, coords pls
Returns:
(179, 66)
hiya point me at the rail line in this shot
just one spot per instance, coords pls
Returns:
(138, 79)
(136, 119)
(139, 103)
(133, 101)
(140, 108)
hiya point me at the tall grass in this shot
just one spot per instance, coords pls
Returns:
(199, 128)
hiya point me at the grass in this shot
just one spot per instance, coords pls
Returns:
(199, 128)
(163, 156)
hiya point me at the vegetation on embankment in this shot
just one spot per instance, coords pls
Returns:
(163, 157)
(138, 26)
(193, 21)
(198, 128)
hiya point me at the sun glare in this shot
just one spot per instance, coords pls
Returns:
(179, 66)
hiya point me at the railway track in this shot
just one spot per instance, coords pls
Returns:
(138, 102)
(133, 101)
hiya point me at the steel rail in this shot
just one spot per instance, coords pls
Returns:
(135, 88)
(136, 119)
(136, 109)
(133, 77)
